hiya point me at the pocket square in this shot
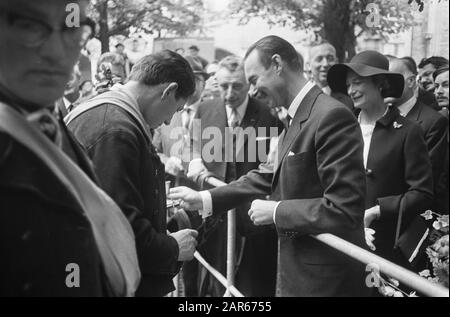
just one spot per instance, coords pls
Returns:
(291, 154)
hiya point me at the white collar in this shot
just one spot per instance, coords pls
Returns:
(67, 103)
(241, 110)
(292, 110)
(407, 106)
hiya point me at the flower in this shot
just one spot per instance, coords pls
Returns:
(437, 225)
(428, 215)
(397, 125)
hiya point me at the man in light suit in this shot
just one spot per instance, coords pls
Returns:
(317, 185)
(433, 124)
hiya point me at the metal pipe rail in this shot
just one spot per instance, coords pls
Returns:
(393, 270)
(230, 288)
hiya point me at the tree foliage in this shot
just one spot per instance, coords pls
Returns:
(340, 22)
(161, 17)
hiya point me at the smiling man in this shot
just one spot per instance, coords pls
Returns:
(114, 128)
(317, 183)
(321, 58)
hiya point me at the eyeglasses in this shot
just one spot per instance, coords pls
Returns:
(32, 33)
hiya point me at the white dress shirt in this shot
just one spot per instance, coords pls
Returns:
(407, 106)
(240, 110)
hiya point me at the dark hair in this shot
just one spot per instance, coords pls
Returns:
(271, 45)
(165, 67)
(194, 47)
(232, 63)
(410, 64)
(440, 71)
(436, 61)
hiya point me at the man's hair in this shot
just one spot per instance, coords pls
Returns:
(194, 47)
(232, 63)
(271, 45)
(165, 67)
(409, 63)
(436, 61)
(440, 71)
(322, 43)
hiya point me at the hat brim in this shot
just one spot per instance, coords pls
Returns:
(337, 78)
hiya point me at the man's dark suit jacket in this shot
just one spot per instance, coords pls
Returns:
(435, 128)
(252, 278)
(320, 182)
(428, 99)
(42, 227)
(131, 173)
(398, 169)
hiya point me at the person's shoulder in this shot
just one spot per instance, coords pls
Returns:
(429, 114)
(105, 119)
(329, 107)
(209, 105)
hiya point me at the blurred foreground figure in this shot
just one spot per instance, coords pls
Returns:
(60, 234)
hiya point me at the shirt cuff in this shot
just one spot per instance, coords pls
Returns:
(207, 204)
(275, 212)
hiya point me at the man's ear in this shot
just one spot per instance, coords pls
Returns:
(171, 89)
(277, 63)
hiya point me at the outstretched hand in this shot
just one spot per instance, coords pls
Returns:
(190, 199)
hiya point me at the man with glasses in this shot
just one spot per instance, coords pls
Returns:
(51, 243)
(433, 124)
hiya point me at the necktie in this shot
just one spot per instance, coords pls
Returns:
(46, 122)
(234, 119)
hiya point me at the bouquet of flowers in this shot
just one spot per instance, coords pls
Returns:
(438, 251)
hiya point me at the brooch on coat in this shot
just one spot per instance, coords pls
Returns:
(397, 125)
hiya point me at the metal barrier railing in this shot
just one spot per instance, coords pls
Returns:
(384, 266)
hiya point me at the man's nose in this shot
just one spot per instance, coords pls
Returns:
(53, 48)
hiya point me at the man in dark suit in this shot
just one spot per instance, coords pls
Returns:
(43, 226)
(317, 185)
(434, 125)
(235, 109)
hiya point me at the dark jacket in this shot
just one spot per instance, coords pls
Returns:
(435, 133)
(320, 182)
(260, 245)
(42, 227)
(131, 173)
(398, 168)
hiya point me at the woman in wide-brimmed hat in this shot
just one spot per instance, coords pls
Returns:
(398, 169)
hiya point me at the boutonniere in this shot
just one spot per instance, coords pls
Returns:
(397, 125)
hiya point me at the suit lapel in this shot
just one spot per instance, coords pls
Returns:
(300, 117)
(414, 114)
(250, 120)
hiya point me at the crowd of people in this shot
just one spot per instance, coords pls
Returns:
(357, 149)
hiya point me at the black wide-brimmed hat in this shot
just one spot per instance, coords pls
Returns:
(366, 64)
